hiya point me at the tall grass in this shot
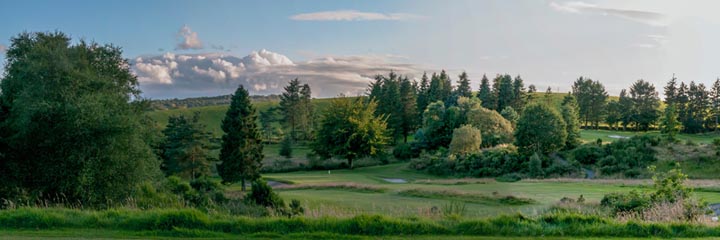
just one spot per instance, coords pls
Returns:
(193, 222)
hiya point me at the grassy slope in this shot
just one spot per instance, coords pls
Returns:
(545, 193)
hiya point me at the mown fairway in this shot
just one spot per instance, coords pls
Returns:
(336, 201)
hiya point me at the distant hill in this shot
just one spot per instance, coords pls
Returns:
(165, 104)
(212, 109)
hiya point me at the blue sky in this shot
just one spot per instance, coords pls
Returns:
(336, 46)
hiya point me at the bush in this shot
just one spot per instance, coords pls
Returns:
(625, 202)
(405, 151)
(510, 177)
(262, 194)
(588, 154)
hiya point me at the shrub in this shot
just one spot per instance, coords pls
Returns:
(625, 202)
(405, 151)
(262, 194)
(286, 147)
(588, 154)
(296, 208)
(510, 177)
(465, 139)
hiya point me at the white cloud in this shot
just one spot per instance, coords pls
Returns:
(188, 39)
(352, 15)
(263, 72)
(646, 17)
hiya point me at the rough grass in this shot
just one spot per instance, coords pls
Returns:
(355, 187)
(494, 199)
(192, 223)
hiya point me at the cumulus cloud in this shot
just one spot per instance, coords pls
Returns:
(646, 17)
(352, 15)
(262, 72)
(188, 39)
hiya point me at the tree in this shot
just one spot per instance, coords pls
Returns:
(71, 123)
(286, 147)
(290, 107)
(485, 94)
(671, 91)
(535, 166)
(422, 95)
(540, 129)
(645, 104)
(465, 140)
(519, 93)
(409, 114)
(439, 123)
(569, 111)
(307, 112)
(463, 88)
(504, 93)
(186, 148)
(613, 115)
(625, 109)
(591, 98)
(495, 128)
(511, 115)
(669, 126)
(267, 118)
(241, 153)
(715, 100)
(350, 129)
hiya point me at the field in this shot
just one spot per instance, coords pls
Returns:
(385, 197)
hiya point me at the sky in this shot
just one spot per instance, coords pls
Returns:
(205, 48)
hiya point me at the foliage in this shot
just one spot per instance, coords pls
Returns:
(591, 98)
(350, 129)
(669, 125)
(262, 194)
(511, 115)
(71, 122)
(495, 128)
(627, 155)
(465, 140)
(185, 150)
(286, 147)
(405, 151)
(540, 129)
(242, 150)
(297, 110)
(535, 166)
(588, 154)
(569, 111)
(645, 104)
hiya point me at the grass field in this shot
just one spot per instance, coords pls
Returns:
(347, 202)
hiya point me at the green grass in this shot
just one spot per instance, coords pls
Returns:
(27, 223)
(393, 202)
(592, 135)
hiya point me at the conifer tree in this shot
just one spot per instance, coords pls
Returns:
(408, 100)
(463, 88)
(485, 93)
(569, 111)
(241, 153)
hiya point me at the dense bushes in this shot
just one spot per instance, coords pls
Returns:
(491, 162)
(627, 157)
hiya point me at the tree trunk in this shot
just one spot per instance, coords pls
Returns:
(405, 140)
(350, 162)
(242, 183)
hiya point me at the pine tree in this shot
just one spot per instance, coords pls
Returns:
(485, 94)
(625, 109)
(286, 147)
(409, 115)
(682, 104)
(241, 153)
(290, 107)
(519, 93)
(715, 99)
(505, 94)
(669, 126)
(307, 112)
(422, 94)
(572, 123)
(671, 91)
(186, 148)
(645, 104)
(463, 88)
